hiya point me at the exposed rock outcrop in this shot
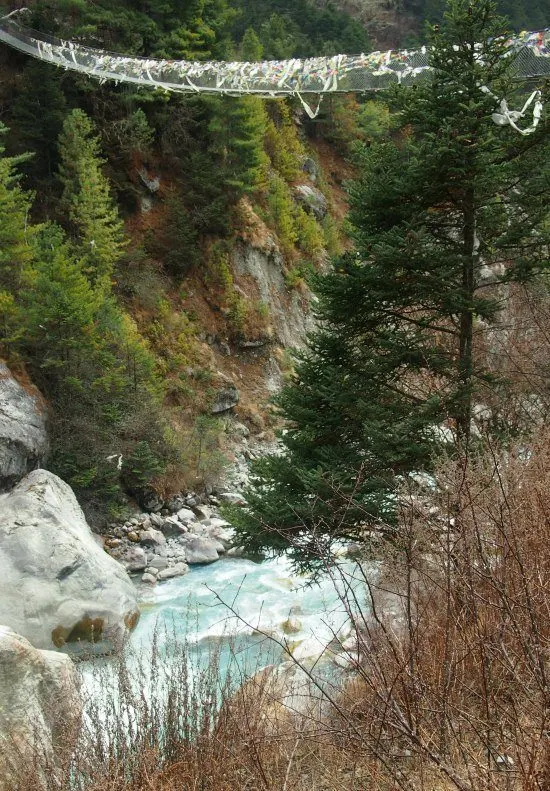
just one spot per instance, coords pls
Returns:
(312, 199)
(23, 438)
(225, 399)
(40, 709)
(57, 585)
(288, 310)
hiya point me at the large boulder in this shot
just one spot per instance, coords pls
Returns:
(57, 585)
(23, 437)
(312, 200)
(40, 709)
(200, 550)
(225, 399)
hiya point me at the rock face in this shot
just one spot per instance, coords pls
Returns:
(40, 705)
(57, 585)
(23, 438)
(289, 309)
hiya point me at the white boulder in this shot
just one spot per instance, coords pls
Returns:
(178, 570)
(40, 707)
(186, 515)
(57, 585)
(200, 550)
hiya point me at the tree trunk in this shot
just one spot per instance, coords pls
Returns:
(465, 359)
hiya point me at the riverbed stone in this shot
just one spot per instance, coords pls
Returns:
(57, 585)
(134, 559)
(152, 538)
(177, 570)
(233, 498)
(199, 550)
(186, 515)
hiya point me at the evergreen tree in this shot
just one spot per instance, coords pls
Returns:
(394, 355)
(15, 248)
(38, 113)
(251, 46)
(87, 197)
(237, 128)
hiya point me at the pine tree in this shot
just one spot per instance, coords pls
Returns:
(394, 355)
(87, 197)
(237, 128)
(16, 252)
(251, 47)
(38, 113)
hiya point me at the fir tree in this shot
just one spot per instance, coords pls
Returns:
(395, 353)
(251, 46)
(38, 113)
(87, 197)
(15, 248)
(237, 128)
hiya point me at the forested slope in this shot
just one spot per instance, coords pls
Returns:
(125, 214)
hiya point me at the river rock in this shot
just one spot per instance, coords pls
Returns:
(186, 515)
(149, 579)
(57, 585)
(40, 706)
(134, 559)
(312, 199)
(160, 562)
(199, 550)
(172, 526)
(178, 570)
(23, 437)
(152, 538)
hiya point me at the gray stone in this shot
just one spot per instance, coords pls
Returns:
(311, 168)
(156, 520)
(178, 570)
(292, 625)
(152, 538)
(173, 527)
(57, 585)
(40, 707)
(203, 511)
(240, 429)
(149, 579)
(134, 559)
(151, 501)
(160, 563)
(225, 399)
(199, 550)
(312, 200)
(151, 182)
(152, 570)
(185, 515)
(23, 437)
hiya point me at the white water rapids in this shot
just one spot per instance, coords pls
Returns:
(234, 607)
